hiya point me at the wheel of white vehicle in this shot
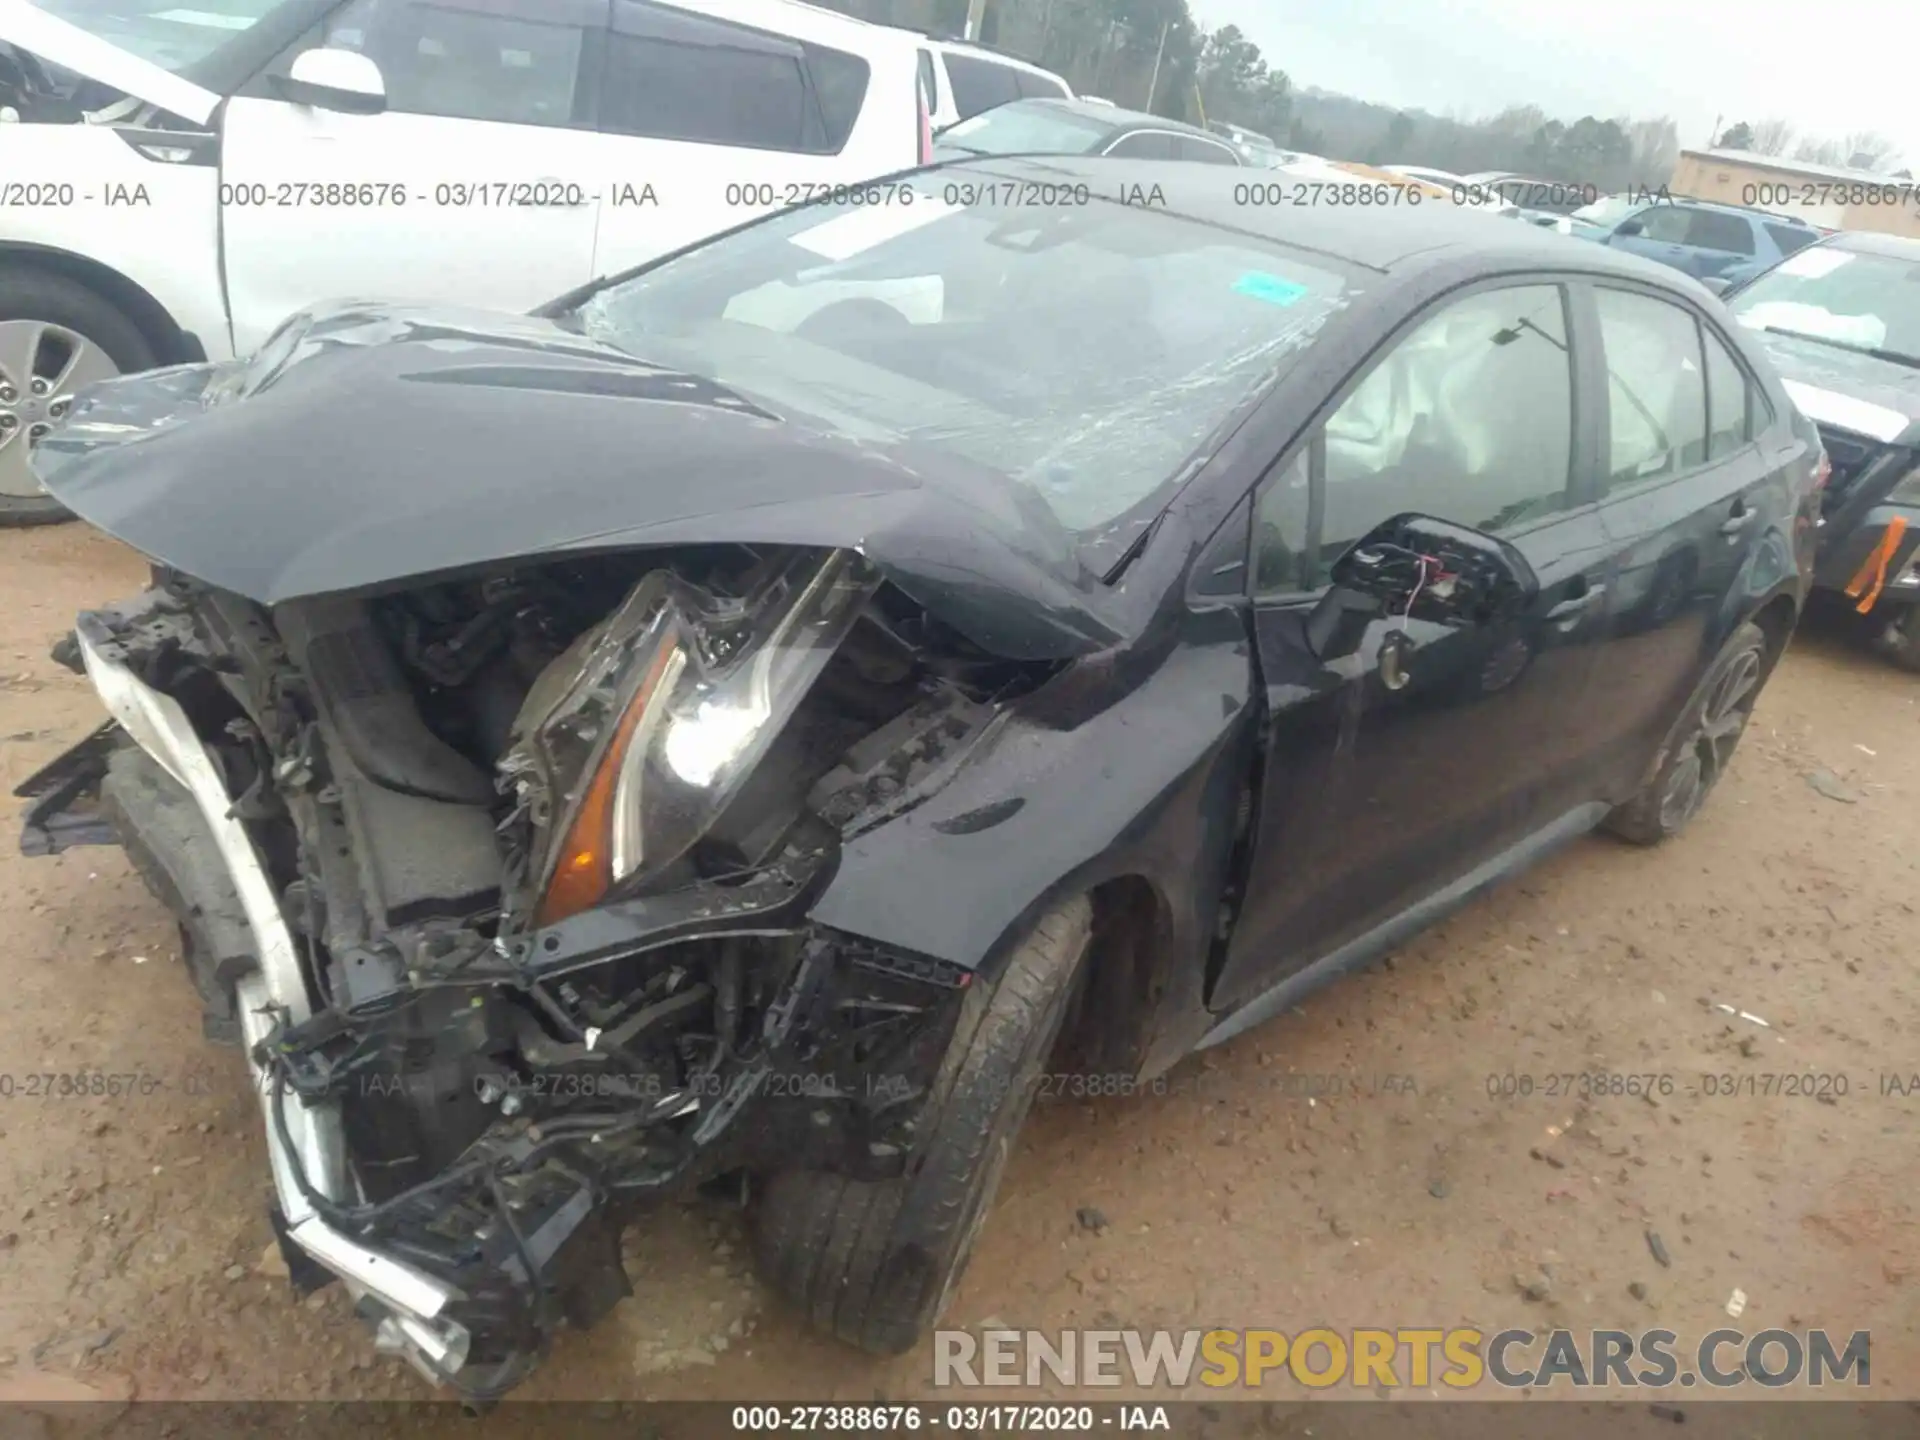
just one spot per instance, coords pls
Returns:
(1700, 744)
(56, 336)
(876, 1263)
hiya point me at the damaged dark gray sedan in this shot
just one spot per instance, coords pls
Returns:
(746, 720)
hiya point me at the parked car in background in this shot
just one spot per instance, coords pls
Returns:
(1840, 319)
(190, 176)
(831, 667)
(1240, 134)
(1075, 127)
(1547, 203)
(1459, 189)
(965, 78)
(1720, 243)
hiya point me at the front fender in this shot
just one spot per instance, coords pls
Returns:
(1098, 775)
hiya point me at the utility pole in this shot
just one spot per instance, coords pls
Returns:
(1153, 82)
(976, 12)
(1714, 139)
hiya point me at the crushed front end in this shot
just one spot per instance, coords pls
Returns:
(503, 885)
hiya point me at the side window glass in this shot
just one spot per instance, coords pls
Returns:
(1190, 147)
(673, 75)
(467, 64)
(1469, 418)
(979, 84)
(1727, 420)
(1147, 145)
(1791, 237)
(1280, 530)
(1656, 398)
(840, 80)
(1665, 223)
(1038, 87)
(1712, 230)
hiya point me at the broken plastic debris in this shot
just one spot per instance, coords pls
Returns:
(1864, 750)
(1742, 1014)
(1736, 1302)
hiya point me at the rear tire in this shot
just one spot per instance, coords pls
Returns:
(1700, 745)
(29, 294)
(875, 1263)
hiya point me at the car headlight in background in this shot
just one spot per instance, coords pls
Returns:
(631, 744)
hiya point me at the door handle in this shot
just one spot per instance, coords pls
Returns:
(1736, 523)
(1579, 604)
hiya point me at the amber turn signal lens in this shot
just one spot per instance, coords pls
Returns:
(585, 868)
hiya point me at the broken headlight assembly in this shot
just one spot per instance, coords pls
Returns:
(632, 743)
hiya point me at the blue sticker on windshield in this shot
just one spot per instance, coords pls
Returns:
(1270, 288)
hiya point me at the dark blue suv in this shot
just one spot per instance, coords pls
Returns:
(1707, 241)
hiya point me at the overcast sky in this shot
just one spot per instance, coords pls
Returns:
(1828, 67)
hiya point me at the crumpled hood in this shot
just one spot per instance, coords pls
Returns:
(367, 445)
(1856, 392)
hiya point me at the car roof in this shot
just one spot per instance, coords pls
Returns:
(1384, 238)
(1872, 242)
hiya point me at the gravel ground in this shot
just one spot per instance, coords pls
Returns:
(1345, 1165)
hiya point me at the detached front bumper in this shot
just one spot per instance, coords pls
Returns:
(831, 1075)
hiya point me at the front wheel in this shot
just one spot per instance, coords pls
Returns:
(1700, 745)
(56, 336)
(875, 1263)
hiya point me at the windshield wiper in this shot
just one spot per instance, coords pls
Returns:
(1896, 357)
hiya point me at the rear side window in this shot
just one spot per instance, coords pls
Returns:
(980, 84)
(672, 75)
(1656, 394)
(1144, 145)
(1716, 230)
(1205, 152)
(1729, 423)
(1791, 237)
(1040, 87)
(840, 82)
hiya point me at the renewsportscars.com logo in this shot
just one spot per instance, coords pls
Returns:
(1368, 1359)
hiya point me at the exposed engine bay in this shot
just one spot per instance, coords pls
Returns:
(502, 884)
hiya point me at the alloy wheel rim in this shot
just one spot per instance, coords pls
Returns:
(1718, 722)
(42, 365)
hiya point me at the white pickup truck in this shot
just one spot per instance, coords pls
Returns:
(178, 176)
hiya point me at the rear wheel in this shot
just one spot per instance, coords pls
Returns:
(1700, 744)
(875, 1263)
(56, 336)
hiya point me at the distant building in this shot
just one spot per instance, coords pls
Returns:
(1828, 195)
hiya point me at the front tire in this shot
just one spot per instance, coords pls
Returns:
(56, 336)
(875, 1263)
(1700, 745)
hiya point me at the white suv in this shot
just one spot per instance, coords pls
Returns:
(178, 180)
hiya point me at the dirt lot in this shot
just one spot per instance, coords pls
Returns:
(132, 1230)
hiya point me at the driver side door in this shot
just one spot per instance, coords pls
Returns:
(1388, 786)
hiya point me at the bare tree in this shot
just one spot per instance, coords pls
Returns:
(1772, 137)
(1821, 152)
(1869, 150)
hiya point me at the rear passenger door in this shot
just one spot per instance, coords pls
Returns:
(1689, 496)
(705, 123)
